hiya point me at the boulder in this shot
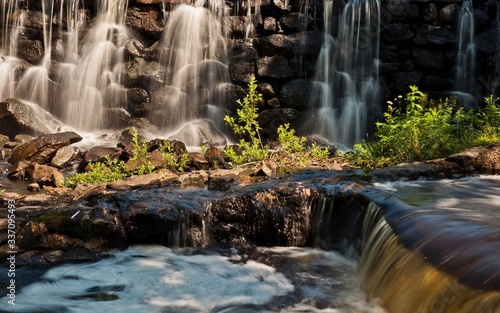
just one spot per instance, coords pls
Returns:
(134, 48)
(267, 90)
(401, 10)
(65, 156)
(275, 67)
(200, 132)
(449, 14)
(146, 22)
(242, 72)
(428, 34)
(242, 50)
(270, 120)
(45, 175)
(270, 25)
(296, 93)
(430, 13)
(428, 59)
(18, 170)
(136, 96)
(141, 73)
(17, 117)
(294, 22)
(42, 149)
(30, 50)
(116, 118)
(197, 161)
(101, 154)
(396, 32)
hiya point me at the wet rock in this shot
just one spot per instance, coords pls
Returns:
(275, 67)
(429, 59)
(487, 41)
(30, 50)
(195, 179)
(430, 13)
(264, 217)
(267, 90)
(437, 83)
(215, 156)
(197, 161)
(405, 79)
(17, 117)
(242, 72)
(65, 156)
(140, 181)
(489, 161)
(278, 44)
(116, 118)
(269, 25)
(101, 154)
(448, 15)
(34, 187)
(45, 175)
(230, 93)
(22, 138)
(146, 22)
(242, 50)
(141, 73)
(435, 35)
(219, 183)
(42, 149)
(294, 22)
(296, 93)
(407, 170)
(18, 170)
(270, 120)
(201, 132)
(238, 26)
(396, 32)
(401, 10)
(136, 96)
(274, 103)
(3, 139)
(134, 48)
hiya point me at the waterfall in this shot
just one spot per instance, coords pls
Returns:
(347, 71)
(9, 32)
(86, 80)
(496, 71)
(464, 78)
(194, 52)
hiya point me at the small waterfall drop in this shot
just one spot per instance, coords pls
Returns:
(87, 80)
(466, 50)
(194, 53)
(347, 71)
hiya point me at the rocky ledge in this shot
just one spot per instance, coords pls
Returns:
(259, 204)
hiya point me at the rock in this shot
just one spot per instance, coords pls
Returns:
(22, 138)
(30, 50)
(215, 156)
(487, 41)
(401, 10)
(230, 93)
(262, 170)
(411, 171)
(278, 44)
(101, 154)
(141, 73)
(193, 179)
(136, 96)
(294, 22)
(34, 187)
(270, 120)
(242, 50)
(428, 59)
(45, 175)
(242, 72)
(270, 25)
(219, 183)
(42, 149)
(3, 139)
(267, 90)
(134, 48)
(448, 14)
(18, 170)
(164, 99)
(146, 22)
(396, 32)
(405, 79)
(116, 118)
(274, 103)
(438, 35)
(430, 13)
(138, 181)
(275, 67)
(296, 93)
(437, 83)
(200, 132)
(197, 161)
(17, 117)
(65, 156)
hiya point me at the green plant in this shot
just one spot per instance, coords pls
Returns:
(246, 125)
(290, 142)
(139, 160)
(107, 171)
(319, 153)
(427, 129)
(171, 160)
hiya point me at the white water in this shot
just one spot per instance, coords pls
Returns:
(194, 52)
(156, 279)
(466, 50)
(347, 72)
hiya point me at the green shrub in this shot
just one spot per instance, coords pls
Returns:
(247, 126)
(427, 130)
(99, 172)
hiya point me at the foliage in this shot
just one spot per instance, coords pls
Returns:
(289, 142)
(171, 160)
(427, 130)
(107, 171)
(139, 160)
(247, 126)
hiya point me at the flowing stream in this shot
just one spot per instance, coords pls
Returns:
(422, 246)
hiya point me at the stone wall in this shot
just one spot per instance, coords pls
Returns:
(418, 44)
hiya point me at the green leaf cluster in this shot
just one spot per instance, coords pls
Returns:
(427, 129)
(247, 126)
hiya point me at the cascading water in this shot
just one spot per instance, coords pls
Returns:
(346, 85)
(496, 72)
(194, 53)
(466, 50)
(74, 89)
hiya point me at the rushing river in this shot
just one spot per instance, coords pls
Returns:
(158, 279)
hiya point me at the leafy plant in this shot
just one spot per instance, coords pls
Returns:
(107, 171)
(427, 130)
(140, 163)
(247, 126)
(290, 142)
